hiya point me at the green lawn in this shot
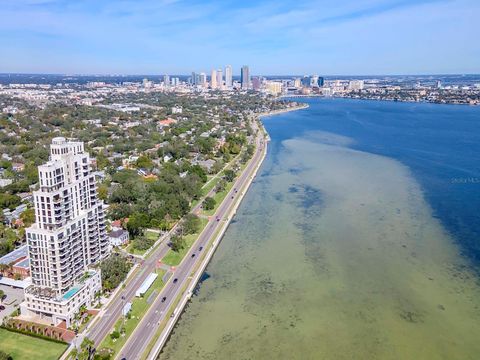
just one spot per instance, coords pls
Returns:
(205, 190)
(174, 258)
(24, 347)
(139, 308)
(207, 187)
(218, 199)
(150, 235)
(133, 251)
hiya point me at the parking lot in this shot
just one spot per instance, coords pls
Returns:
(14, 298)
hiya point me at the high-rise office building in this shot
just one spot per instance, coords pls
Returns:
(245, 77)
(256, 83)
(194, 78)
(228, 76)
(321, 81)
(166, 80)
(213, 79)
(68, 235)
(306, 81)
(220, 78)
(202, 79)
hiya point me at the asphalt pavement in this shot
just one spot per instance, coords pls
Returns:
(146, 329)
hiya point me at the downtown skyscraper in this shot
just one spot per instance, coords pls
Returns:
(194, 79)
(213, 79)
(245, 77)
(202, 79)
(228, 77)
(220, 79)
(166, 80)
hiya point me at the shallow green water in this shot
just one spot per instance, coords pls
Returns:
(334, 254)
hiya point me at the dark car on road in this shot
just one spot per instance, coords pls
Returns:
(193, 255)
(164, 298)
(175, 280)
(200, 248)
(2, 307)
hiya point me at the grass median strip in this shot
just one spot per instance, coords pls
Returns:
(218, 197)
(164, 322)
(206, 189)
(174, 258)
(140, 306)
(213, 238)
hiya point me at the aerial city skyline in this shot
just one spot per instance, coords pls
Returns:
(217, 79)
(210, 179)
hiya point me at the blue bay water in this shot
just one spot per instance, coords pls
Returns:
(357, 240)
(439, 143)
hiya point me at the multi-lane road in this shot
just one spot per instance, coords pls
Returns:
(103, 326)
(137, 343)
(146, 329)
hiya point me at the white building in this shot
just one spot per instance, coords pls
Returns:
(220, 79)
(166, 80)
(213, 79)
(273, 87)
(356, 85)
(5, 182)
(203, 79)
(118, 237)
(177, 109)
(228, 77)
(68, 236)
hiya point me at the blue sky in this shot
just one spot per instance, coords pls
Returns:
(334, 37)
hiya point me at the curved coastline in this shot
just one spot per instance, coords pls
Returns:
(336, 255)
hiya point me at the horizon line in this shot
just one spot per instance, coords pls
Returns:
(265, 75)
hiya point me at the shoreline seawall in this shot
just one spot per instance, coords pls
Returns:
(354, 227)
(215, 242)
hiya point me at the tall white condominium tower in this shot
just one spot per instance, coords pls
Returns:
(67, 238)
(213, 79)
(228, 77)
(220, 78)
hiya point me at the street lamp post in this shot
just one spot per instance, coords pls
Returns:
(123, 312)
